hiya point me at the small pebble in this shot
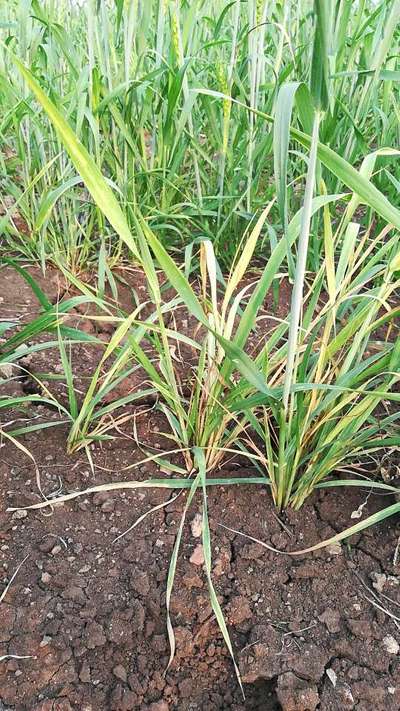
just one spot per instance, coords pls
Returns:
(334, 549)
(391, 644)
(45, 641)
(22, 513)
(196, 525)
(197, 557)
(379, 581)
(85, 569)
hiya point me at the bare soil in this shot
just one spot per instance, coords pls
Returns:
(88, 613)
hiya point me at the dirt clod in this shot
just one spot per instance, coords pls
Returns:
(120, 672)
(95, 636)
(295, 694)
(239, 610)
(331, 618)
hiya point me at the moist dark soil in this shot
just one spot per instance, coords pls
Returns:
(86, 613)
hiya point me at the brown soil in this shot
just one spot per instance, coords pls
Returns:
(89, 613)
